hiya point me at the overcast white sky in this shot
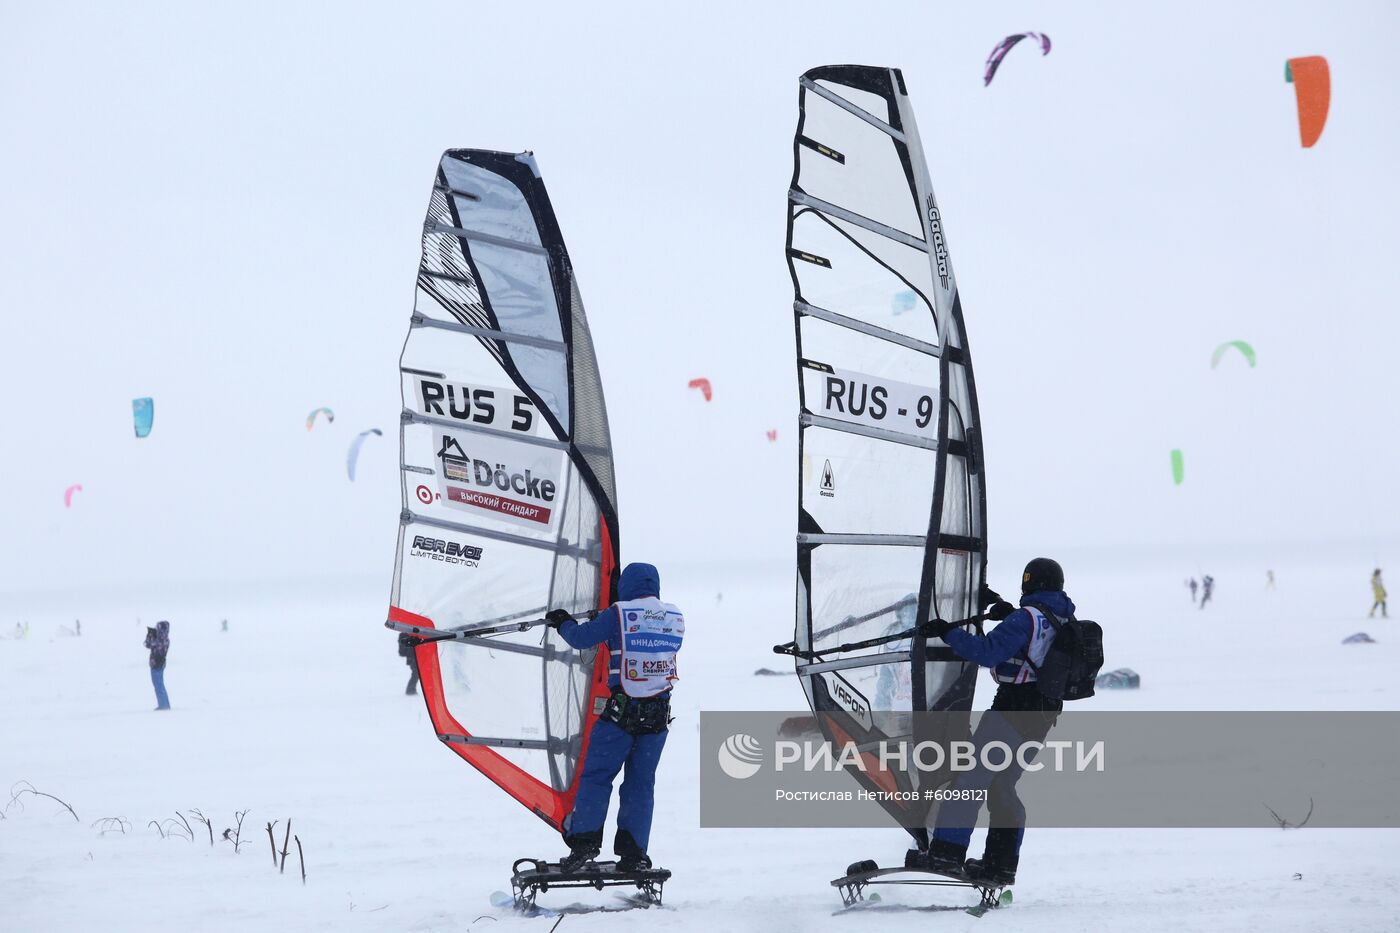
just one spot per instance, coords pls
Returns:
(221, 207)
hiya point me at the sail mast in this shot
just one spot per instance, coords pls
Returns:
(508, 497)
(892, 505)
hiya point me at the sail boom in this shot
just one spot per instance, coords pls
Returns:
(539, 744)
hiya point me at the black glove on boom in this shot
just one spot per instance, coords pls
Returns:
(995, 607)
(557, 617)
(936, 628)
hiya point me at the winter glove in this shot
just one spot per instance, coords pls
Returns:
(557, 617)
(996, 607)
(936, 628)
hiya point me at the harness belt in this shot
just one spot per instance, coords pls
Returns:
(637, 715)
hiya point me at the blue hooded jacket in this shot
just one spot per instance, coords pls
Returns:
(1012, 635)
(637, 580)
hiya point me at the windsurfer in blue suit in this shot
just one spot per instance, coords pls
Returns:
(1014, 650)
(642, 635)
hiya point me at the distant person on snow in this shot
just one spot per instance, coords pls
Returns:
(1269, 580)
(1193, 591)
(642, 636)
(1207, 587)
(1378, 591)
(411, 659)
(1014, 650)
(158, 640)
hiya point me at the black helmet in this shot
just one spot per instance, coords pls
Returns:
(1042, 574)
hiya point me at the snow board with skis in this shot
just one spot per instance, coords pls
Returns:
(531, 877)
(860, 875)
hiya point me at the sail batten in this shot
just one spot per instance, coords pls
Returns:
(892, 508)
(480, 237)
(491, 333)
(894, 437)
(508, 494)
(562, 546)
(417, 418)
(871, 330)
(860, 220)
(851, 108)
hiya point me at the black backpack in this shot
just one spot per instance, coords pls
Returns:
(1073, 660)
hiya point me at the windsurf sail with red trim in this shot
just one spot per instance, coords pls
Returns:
(892, 501)
(509, 502)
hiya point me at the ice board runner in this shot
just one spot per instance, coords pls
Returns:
(861, 875)
(532, 877)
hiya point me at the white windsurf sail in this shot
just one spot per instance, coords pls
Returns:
(509, 504)
(892, 504)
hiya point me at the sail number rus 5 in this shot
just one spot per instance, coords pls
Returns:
(855, 397)
(487, 406)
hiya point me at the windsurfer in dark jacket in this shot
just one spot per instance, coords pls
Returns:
(642, 636)
(1013, 650)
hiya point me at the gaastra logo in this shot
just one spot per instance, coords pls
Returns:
(448, 551)
(828, 487)
(940, 248)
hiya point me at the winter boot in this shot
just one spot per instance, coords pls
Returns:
(980, 870)
(945, 857)
(583, 847)
(630, 856)
(998, 862)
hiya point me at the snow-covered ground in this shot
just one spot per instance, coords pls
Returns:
(298, 711)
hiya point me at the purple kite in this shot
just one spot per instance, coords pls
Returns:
(1005, 45)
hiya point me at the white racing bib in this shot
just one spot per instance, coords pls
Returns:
(1042, 634)
(651, 636)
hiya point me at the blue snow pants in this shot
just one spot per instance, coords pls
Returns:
(158, 681)
(610, 749)
(957, 817)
